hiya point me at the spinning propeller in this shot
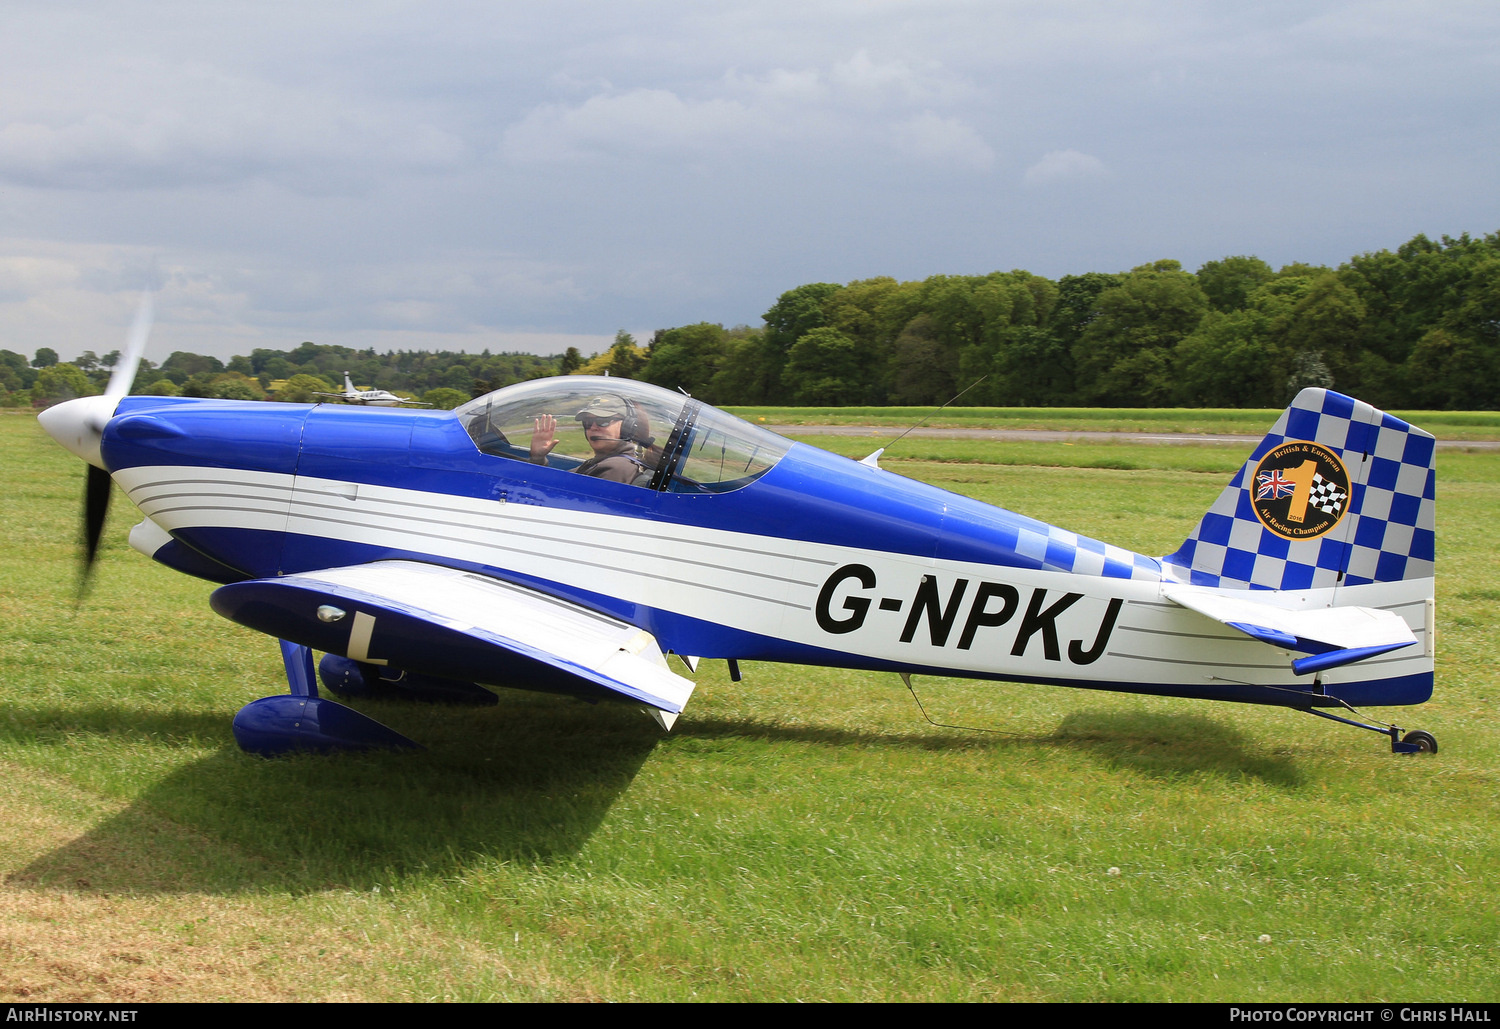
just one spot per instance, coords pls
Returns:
(79, 426)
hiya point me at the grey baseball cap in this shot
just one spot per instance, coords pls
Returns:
(603, 407)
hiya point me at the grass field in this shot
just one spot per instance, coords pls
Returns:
(1462, 425)
(802, 835)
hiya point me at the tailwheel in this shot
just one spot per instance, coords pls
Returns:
(1419, 742)
(1415, 742)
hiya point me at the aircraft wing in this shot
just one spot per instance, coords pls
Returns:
(1333, 636)
(460, 625)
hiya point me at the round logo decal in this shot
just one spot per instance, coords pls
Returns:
(1301, 490)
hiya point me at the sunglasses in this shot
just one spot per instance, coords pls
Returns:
(589, 421)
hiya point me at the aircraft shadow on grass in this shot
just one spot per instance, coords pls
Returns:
(1171, 746)
(530, 780)
(527, 780)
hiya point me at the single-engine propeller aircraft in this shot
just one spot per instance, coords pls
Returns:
(565, 534)
(371, 397)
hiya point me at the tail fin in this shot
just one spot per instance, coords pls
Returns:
(1337, 494)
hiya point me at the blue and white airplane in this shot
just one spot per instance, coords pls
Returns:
(566, 534)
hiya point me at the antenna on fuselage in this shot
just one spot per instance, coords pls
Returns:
(875, 456)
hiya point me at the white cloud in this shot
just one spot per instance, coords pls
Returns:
(851, 104)
(949, 142)
(154, 125)
(639, 122)
(1065, 166)
(447, 170)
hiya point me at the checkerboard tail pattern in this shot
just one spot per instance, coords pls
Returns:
(1386, 520)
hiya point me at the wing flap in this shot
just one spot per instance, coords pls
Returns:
(461, 625)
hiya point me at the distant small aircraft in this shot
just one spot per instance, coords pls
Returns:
(566, 534)
(369, 397)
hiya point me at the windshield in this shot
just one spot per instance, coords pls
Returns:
(623, 430)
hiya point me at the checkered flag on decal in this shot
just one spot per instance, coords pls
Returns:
(1326, 496)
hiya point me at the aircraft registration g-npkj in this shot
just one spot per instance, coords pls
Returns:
(566, 534)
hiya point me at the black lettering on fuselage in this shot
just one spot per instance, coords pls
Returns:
(1078, 655)
(939, 622)
(941, 615)
(978, 616)
(1045, 622)
(857, 607)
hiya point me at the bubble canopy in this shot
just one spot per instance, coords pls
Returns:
(682, 444)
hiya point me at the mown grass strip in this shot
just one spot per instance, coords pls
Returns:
(802, 835)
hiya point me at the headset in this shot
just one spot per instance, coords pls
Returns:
(630, 426)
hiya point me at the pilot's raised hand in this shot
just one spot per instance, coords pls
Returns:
(543, 438)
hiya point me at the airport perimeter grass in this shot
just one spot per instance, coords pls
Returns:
(801, 835)
(1463, 425)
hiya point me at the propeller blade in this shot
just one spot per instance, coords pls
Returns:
(123, 376)
(95, 507)
(79, 425)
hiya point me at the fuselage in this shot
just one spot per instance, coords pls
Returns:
(820, 560)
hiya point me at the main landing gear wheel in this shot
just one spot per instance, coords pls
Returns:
(1423, 742)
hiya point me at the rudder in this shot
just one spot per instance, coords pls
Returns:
(1338, 493)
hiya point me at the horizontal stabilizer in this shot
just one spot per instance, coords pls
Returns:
(459, 625)
(1335, 635)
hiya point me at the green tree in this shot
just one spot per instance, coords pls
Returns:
(444, 399)
(16, 372)
(162, 388)
(571, 361)
(1329, 320)
(1231, 360)
(1228, 282)
(686, 358)
(45, 357)
(738, 380)
(232, 385)
(1124, 355)
(796, 312)
(59, 382)
(303, 389)
(459, 377)
(1245, 357)
(623, 360)
(1456, 364)
(1033, 369)
(182, 366)
(824, 368)
(1077, 308)
(924, 368)
(872, 312)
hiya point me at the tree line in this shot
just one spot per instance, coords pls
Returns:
(444, 379)
(1417, 327)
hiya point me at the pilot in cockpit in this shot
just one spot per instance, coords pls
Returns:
(619, 433)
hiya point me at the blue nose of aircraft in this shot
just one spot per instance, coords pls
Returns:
(214, 433)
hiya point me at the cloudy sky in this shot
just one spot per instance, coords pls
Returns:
(451, 175)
